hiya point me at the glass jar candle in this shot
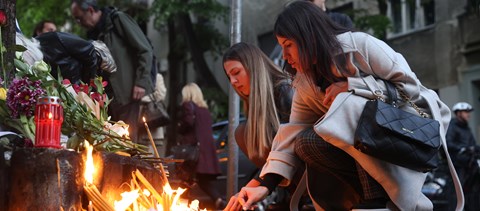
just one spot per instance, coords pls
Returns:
(48, 122)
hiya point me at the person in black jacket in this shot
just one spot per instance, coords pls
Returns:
(75, 58)
(44, 27)
(460, 139)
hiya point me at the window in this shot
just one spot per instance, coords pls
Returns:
(409, 15)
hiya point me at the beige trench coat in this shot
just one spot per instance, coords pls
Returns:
(367, 56)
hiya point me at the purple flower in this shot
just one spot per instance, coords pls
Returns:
(22, 96)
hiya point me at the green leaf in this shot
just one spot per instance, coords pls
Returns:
(20, 65)
(99, 85)
(19, 48)
(74, 142)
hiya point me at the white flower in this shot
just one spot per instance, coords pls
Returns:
(41, 67)
(120, 128)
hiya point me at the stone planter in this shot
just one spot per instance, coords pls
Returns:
(51, 179)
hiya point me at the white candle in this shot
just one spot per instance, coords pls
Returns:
(151, 138)
(164, 175)
(90, 206)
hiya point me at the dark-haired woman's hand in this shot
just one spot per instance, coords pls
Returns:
(333, 90)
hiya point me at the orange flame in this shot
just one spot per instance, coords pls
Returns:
(170, 199)
(128, 198)
(89, 167)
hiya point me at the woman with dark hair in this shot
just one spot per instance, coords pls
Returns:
(266, 93)
(44, 27)
(329, 59)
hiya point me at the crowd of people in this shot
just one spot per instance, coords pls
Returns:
(324, 56)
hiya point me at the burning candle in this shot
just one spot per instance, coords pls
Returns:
(164, 175)
(90, 206)
(48, 122)
(151, 138)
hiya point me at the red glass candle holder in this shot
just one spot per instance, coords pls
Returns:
(48, 122)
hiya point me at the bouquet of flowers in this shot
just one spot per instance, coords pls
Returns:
(84, 107)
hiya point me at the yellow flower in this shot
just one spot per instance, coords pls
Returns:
(3, 94)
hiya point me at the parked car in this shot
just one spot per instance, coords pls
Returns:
(246, 169)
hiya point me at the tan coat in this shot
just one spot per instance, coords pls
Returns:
(367, 56)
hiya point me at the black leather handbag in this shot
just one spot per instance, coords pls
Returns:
(156, 113)
(189, 153)
(388, 133)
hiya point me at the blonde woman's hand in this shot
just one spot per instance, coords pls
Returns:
(249, 196)
(233, 204)
(333, 90)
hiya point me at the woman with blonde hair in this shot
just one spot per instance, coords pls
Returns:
(196, 127)
(191, 92)
(267, 96)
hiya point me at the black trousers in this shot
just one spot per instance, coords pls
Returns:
(129, 113)
(206, 183)
(336, 181)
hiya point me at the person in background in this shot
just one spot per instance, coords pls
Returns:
(75, 58)
(196, 128)
(132, 53)
(267, 97)
(460, 140)
(32, 53)
(159, 95)
(330, 59)
(337, 17)
(44, 27)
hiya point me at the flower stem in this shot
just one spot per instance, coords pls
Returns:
(1, 60)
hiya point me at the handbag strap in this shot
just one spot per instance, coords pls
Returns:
(407, 99)
(391, 93)
(152, 97)
(392, 97)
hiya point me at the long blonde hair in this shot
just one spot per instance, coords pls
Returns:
(262, 117)
(191, 92)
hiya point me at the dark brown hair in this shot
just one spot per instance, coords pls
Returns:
(315, 35)
(39, 27)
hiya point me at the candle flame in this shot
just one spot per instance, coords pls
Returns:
(50, 115)
(169, 200)
(89, 167)
(146, 192)
(127, 199)
(142, 200)
(144, 119)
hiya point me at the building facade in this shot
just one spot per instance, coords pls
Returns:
(439, 38)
